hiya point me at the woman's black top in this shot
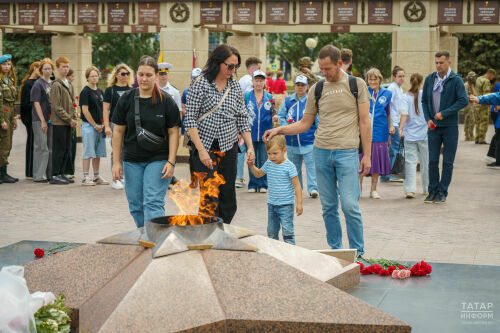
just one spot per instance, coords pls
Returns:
(156, 118)
(25, 101)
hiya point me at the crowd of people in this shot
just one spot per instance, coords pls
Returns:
(342, 128)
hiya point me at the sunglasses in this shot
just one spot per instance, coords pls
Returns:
(124, 74)
(232, 66)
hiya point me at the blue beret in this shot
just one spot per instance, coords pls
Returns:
(4, 58)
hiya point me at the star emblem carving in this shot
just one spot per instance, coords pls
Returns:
(179, 12)
(414, 11)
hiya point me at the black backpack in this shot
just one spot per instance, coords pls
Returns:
(353, 87)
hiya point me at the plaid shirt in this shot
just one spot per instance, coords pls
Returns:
(224, 124)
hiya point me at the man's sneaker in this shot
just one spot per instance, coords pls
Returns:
(239, 183)
(70, 181)
(425, 193)
(410, 195)
(490, 159)
(70, 176)
(314, 194)
(252, 190)
(58, 180)
(440, 198)
(493, 166)
(393, 179)
(263, 190)
(87, 182)
(100, 181)
(43, 180)
(374, 195)
(430, 198)
(117, 185)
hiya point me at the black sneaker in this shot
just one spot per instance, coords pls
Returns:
(493, 166)
(57, 180)
(70, 181)
(430, 198)
(41, 181)
(440, 198)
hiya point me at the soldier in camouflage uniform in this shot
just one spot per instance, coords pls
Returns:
(305, 65)
(469, 110)
(483, 87)
(8, 121)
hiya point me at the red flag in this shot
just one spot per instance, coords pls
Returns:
(194, 58)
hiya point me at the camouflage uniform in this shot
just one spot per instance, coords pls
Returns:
(482, 112)
(469, 113)
(306, 62)
(7, 114)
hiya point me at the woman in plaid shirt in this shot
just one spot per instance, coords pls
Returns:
(215, 115)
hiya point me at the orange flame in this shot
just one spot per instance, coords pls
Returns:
(186, 197)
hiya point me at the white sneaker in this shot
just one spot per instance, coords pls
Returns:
(263, 190)
(100, 181)
(251, 190)
(117, 185)
(239, 183)
(490, 159)
(87, 182)
(314, 194)
(410, 195)
(374, 195)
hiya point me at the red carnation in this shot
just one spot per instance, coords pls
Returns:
(376, 269)
(365, 271)
(391, 269)
(102, 120)
(6, 109)
(361, 266)
(271, 100)
(19, 117)
(401, 267)
(49, 115)
(290, 121)
(76, 97)
(39, 253)
(74, 105)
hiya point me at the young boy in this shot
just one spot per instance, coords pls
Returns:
(283, 183)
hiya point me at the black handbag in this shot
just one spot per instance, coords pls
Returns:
(145, 138)
(398, 168)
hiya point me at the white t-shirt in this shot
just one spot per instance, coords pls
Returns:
(246, 83)
(398, 103)
(415, 126)
(169, 89)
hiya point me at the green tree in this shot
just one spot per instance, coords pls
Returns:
(369, 50)
(26, 49)
(478, 52)
(109, 50)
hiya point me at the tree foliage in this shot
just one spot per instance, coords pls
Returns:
(109, 50)
(478, 52)
(26, 49)
(369, 50)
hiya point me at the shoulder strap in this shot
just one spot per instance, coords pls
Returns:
(318, 90)
(203, 116)
(353, 86)
(137, 116)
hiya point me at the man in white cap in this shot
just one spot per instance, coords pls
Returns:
(163, 70)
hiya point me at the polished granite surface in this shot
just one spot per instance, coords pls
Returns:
(454, 298)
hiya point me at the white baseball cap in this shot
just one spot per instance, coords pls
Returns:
(195, 72)
(259, 73)
(301, 79)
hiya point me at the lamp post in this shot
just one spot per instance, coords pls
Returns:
(311, 44)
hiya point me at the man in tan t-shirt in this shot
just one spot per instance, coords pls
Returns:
(336, 159)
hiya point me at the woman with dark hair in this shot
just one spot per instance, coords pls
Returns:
(26, 105)
(149, 143)
(215, 115)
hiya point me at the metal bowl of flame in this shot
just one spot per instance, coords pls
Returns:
(191, 227)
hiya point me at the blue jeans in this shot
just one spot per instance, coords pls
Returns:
(260, 158)
(448, 137)
(310, 170)
(337, 172)
(241, 161)
(280, 216)
(393, 151)
(145, 190)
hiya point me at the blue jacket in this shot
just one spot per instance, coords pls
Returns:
(378, 114)
(294, 109)
(453, 99)
(261, 119)
(496, 88)
(491, 99)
